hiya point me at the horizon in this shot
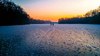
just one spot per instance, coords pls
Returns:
(53, 10)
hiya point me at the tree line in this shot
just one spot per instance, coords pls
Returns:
(12, 14)
(91, 17)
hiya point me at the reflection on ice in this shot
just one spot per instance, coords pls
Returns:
(58, 40)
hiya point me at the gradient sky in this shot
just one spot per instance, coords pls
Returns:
(55, 9)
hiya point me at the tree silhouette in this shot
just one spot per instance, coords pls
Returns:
(11, 14)
(91, 17)
(93, 12)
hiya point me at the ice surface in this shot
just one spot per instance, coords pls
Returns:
(46, 40)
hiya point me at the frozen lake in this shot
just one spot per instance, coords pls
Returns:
(46, 40)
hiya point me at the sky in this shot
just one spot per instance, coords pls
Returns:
(55, 9)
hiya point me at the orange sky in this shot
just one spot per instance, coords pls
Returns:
(55, 9)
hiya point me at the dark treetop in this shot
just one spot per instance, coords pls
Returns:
(12, 14)
(91, 17)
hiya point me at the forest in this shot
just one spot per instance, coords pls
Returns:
(12, 14)
(91, 17)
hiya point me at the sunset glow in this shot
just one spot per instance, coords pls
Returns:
(55, 9)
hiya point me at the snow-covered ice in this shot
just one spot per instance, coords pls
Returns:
(46, 40)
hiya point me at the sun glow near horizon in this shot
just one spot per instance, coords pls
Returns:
(55, 9)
